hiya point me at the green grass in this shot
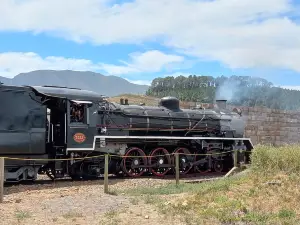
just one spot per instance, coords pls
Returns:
(21, 215)
(110, 218)
(205, 187)
(268, 194)
(270, 160)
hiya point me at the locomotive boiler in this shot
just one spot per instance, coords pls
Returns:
(62, 131)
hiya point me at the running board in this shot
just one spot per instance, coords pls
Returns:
(104, 138)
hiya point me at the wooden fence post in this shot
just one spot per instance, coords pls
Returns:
(235, 159)
(106, 174)
(177, 168)
(1, 179)
(235, 163)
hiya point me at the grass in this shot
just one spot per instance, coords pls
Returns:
(270, 160)
(268, 194)
(172, 189)
(72, 215)
(110, 218)
(136, 99)
(21, 215)
(148, 100)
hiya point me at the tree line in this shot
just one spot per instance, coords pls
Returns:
(237, 90)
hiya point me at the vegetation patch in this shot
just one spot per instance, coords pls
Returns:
(171, 189)
(136, 99)
(72, 215)
(110, 218)
(268, 194)
(269, 160)
(245, 91)
(21, 215)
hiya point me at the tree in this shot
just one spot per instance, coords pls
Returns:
(238, 90)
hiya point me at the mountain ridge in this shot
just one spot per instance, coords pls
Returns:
(107, 85)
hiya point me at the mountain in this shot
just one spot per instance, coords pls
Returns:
(5, 80)
(105, 85)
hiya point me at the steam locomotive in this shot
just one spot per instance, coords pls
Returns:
(62, 131)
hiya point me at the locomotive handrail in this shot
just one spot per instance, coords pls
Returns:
(160, 117)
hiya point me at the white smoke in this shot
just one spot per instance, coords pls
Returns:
(228, 90)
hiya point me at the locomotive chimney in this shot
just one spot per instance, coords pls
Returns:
(126, 101)
(121, 101)
(221, 104)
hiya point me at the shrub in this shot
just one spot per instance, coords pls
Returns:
(269, 159)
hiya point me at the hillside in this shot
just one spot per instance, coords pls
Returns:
(148, 100)
(5, 80)
(136, 99)
(106, 85)
(238, 90)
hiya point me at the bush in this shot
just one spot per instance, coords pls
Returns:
(269, 159)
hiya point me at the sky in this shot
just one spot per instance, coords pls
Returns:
(140, 40)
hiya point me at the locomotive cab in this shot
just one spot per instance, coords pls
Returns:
(69, 113)
(69, 126)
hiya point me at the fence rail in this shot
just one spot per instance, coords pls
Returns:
(106, 157)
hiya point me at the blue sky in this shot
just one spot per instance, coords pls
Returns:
(140, 40)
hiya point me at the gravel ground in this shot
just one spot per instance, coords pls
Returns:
(78, 202)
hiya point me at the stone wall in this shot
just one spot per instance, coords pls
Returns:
(269, 126)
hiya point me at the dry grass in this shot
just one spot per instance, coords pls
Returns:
(79, 202)
(270, 160)
(268, 194)
(148, 100)
(257, 200)
(136, 99)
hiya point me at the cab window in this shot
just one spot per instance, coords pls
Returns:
(77, 113)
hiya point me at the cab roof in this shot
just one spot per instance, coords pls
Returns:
(69, 93)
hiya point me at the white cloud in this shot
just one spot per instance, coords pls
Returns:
(240, 34)
(291, 87)
(177, 74)
(150, 61)
(148, 82)
(13, 63)
(140, 82)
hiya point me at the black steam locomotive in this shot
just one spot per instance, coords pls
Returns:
(40, 124)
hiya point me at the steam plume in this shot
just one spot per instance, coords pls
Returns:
(228, 90)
